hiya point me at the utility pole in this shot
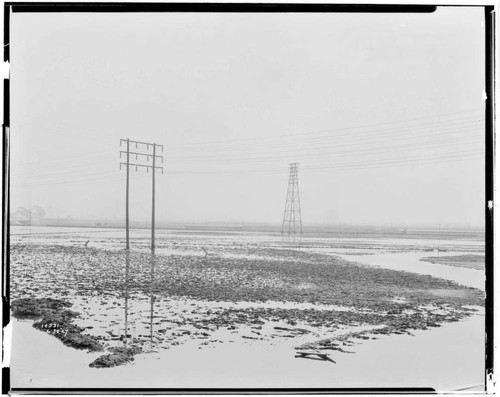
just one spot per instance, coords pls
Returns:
(153, 203)
(292, 219)
(127, 244)
(140, 156)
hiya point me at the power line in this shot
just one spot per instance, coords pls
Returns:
(374, 164)
(389, 147)
(414, 139)
(371, 136)
(86, 133)
(355, 151)
(422, 161)
(339, 129)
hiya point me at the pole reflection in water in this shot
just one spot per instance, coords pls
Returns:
(139, 287)
(127, 266)
(152, 300)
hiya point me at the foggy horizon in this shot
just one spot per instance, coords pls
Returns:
(165, 224)
(386, 122)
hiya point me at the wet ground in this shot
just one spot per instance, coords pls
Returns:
(446, 358)
(207, 291)
(475, 262)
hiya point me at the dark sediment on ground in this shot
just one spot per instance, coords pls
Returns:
(56, 320)
(476, 262)
(118, 356)
(388, 301)
(298, 277)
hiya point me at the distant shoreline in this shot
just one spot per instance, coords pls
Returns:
(310, 231)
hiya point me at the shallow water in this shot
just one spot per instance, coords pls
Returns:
(243, 357)
(410, 262)
(181, 240)
(445, 358)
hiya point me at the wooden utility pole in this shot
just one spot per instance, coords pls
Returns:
(139, 156)
(127, 245)
(153, 203)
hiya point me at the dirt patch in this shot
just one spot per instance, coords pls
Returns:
(451, 293)
(118, 356)
(476, 262)
(56, 320)
(35, 308)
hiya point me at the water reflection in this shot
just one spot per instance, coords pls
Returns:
(128, 283)
(127, 267)
(151, 300)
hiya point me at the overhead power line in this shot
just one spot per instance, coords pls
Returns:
(401, 133)
(351, 151)
(347, 129)
(428, 139)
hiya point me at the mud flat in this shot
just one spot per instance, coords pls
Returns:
(141, 308)
(476, 262)
(53, 317)
(56, 319)
(411, 262)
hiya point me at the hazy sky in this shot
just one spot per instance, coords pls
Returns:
(384, 113)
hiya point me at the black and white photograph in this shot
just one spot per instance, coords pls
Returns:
(247, 197)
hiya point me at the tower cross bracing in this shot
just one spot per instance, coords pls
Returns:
(292, 220)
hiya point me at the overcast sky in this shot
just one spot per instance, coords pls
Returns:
(384, 114)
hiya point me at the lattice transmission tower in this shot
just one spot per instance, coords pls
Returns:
(292, 220)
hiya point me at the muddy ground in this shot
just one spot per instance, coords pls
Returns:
(476, 262)
(133, 302)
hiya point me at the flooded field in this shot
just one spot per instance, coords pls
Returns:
(220, 301)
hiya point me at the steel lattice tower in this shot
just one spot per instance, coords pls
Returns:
(292, 221)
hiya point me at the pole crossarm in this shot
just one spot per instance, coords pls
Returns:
(142, 165)
(139, 157)
(142, 143)
(141, 154)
